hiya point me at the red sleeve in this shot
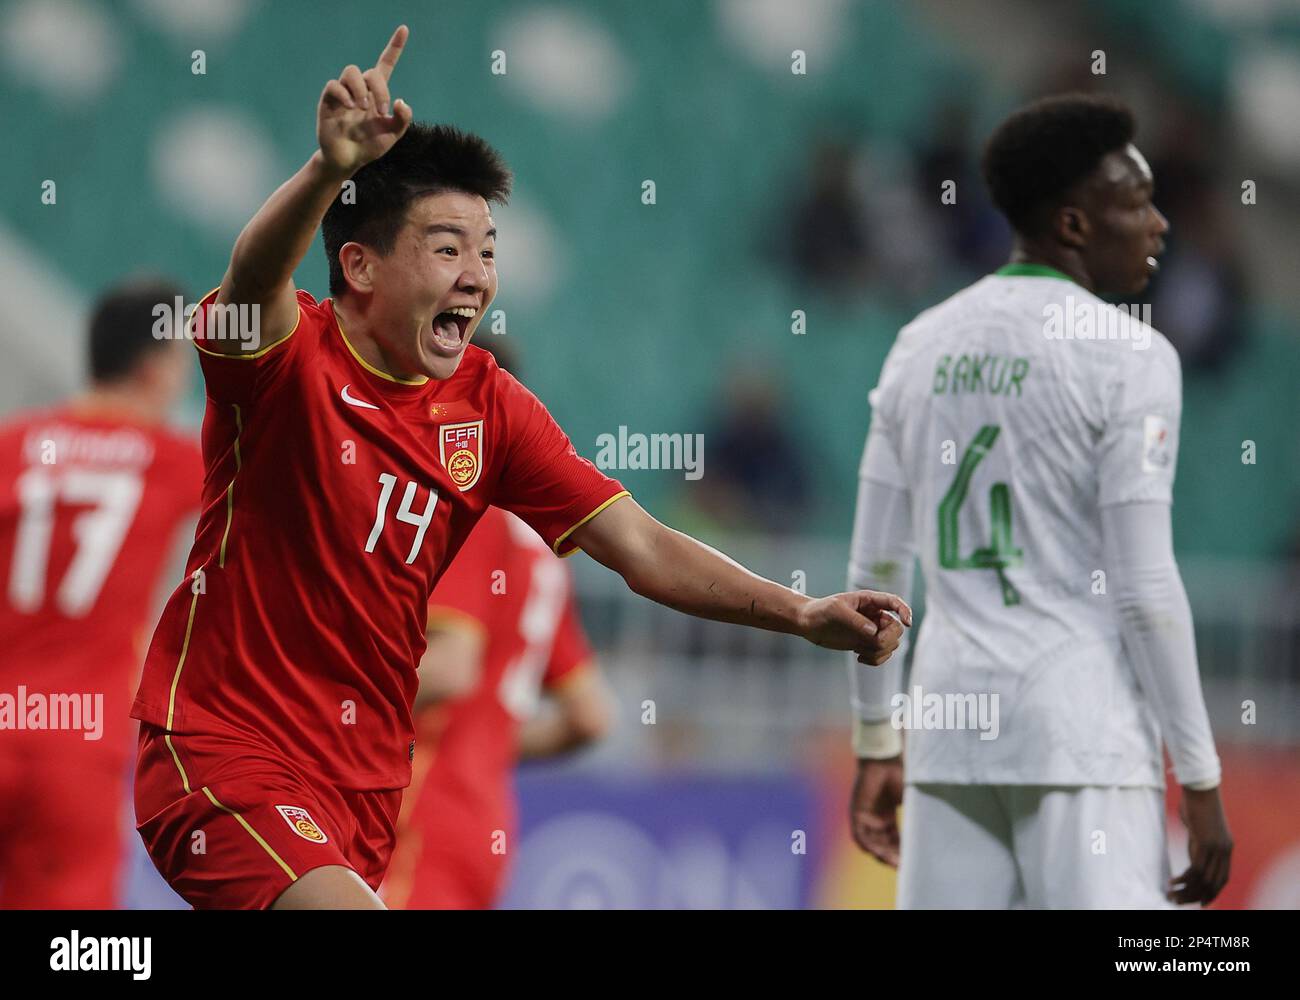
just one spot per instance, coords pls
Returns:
(253, 370)
(465, 589)
(544, 481)
(570, 651)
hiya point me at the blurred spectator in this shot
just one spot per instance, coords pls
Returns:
(831, 247)
(1197, 296)
(859, 226)
(756, 468)
(976, 236)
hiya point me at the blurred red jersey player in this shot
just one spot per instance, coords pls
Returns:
(503, 627)
(93, 496)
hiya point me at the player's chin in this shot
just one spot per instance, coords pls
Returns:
(1145, 272)
(438, 366)
(1135, 284)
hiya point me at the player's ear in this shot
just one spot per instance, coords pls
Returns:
(1071, 226)
(357, 267)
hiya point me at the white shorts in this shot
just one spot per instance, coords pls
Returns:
(996, 847)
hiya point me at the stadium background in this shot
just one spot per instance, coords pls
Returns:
(796, 223)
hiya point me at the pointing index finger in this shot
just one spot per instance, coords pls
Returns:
(392, 51)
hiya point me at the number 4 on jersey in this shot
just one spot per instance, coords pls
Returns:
(999, 554)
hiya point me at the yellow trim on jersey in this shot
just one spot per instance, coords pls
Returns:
(583, 668)
(185, 648)
(245, 355)
(371, 368)
(167, 738)
(252, 833)
(230, 490)
(185, 780)
(221, 563)
(441, 614)
(560, 541)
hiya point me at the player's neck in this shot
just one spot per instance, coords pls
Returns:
(125, 402)
(357, 325)
(1068, 264)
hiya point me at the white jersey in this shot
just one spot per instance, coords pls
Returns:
(1010, 434)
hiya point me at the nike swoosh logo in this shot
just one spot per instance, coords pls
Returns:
(352, 400)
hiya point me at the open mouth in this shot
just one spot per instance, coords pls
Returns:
(450, 327)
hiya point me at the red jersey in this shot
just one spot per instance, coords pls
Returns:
(90, 508)
(505, 582)
(335, 497)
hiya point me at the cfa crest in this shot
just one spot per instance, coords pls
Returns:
(301, 823)
(460, 446)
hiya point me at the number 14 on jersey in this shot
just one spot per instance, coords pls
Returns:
(404, 514)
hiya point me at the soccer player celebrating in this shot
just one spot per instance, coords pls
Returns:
(1030, 465)
(94, 496)
(351, 444)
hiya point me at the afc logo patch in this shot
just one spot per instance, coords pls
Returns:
(301, 823)
(460, 447)
(1157, 454)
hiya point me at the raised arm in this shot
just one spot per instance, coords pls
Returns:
(681, 573)
(354, 125)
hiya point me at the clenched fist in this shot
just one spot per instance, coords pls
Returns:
(862, 621)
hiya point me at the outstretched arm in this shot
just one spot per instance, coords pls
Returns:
(681, 573)
(354, 125)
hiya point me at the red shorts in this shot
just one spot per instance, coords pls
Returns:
(231, 824)
(62, 812)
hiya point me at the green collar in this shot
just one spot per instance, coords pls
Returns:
(1031, 271)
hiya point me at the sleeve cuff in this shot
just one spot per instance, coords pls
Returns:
(1203, 786)
(876, 740)
(563, 547)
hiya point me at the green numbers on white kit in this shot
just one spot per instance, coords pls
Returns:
(999, 554)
